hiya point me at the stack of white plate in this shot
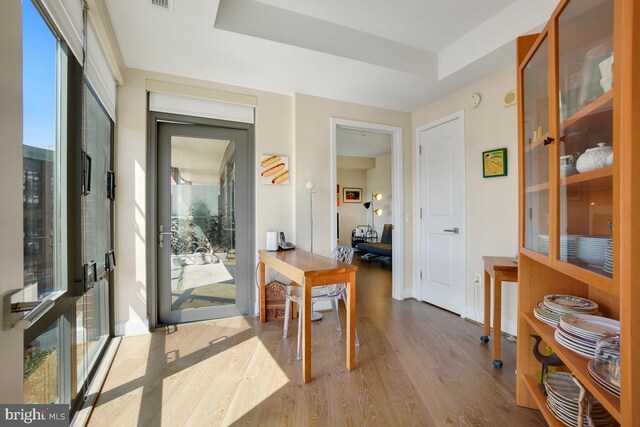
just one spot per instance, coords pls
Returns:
(568, 245)
(562, 399)
(567, 170)
(554, 306)
(591, 249)
(581, 332)
(605, 366)
(608, 258)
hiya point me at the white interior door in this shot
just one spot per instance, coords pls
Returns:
(442, 211)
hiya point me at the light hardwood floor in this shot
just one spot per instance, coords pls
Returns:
(417, 365)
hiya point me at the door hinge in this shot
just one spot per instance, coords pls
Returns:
(420, 213)
(111, 185)
(420, 275)
(161, 234)
(420, 149)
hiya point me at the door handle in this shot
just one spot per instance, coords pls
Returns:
(454, 230)
(161, 235)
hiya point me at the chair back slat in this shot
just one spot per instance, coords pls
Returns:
(342, 253)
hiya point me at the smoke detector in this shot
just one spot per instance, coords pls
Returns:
(162, 4)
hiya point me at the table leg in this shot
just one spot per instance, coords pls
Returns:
(487, 307)
(263, 294)
(351, 322)
(306, 333)
(294, 305)
(497, 320)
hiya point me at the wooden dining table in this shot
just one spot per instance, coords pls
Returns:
(307, 270)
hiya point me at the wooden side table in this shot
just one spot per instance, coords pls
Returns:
(500, 269)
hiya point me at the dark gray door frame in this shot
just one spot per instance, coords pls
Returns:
(154, 118)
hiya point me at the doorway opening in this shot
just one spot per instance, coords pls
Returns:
(379, 200)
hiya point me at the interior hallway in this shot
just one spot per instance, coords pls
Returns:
(417, 365)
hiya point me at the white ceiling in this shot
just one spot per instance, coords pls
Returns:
(350, 142)
(399, 54)
(429, 25)
(198, 159)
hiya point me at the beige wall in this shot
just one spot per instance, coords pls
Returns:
(351, 214)
(492, 204)
(273, 128)
(313, 155)
(11, 342)
(379, 181)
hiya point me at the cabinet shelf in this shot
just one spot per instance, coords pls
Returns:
(599, 179)
(578, 366)
(541, 400)
(601, 104)
(537, 187)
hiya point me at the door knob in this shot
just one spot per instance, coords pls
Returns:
(454, 230)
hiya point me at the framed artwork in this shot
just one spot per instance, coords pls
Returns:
(494, 163)
(274, 170)
(351, 195)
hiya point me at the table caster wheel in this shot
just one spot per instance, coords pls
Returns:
(484, 339)
(497, 363)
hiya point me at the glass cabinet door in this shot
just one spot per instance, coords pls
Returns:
(535, 101)
(585, 82)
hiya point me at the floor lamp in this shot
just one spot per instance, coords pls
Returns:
(310, 185)
(374, 211)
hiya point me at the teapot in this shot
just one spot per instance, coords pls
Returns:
(594, 158)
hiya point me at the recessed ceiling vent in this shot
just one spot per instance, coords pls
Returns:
(163, 4)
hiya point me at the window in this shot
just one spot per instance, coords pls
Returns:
(67, 226)
(44, 168)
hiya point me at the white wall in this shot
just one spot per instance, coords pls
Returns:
(379, 181)
(351, 214)
(11, 342)
(492, 204)
(273, 135)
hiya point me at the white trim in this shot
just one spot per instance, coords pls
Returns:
(417, 196)
(409, 293)
(197, 107)
(67, 16)
(132, 327)
(397, 214)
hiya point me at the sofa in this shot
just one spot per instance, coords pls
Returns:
(381, 248)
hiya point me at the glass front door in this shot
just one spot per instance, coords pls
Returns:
(586, 159)
(203, 196)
